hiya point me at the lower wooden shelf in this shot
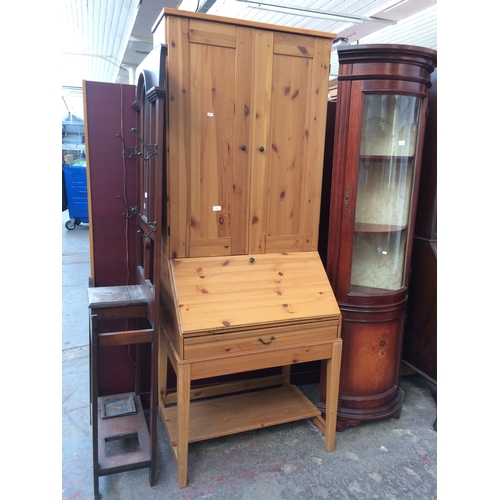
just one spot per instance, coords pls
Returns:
(241, 412)
(120, 429)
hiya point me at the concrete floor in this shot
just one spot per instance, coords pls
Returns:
(391, 459)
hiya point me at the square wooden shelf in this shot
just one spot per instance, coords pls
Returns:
(133, 427)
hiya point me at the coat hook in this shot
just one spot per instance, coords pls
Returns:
(132, 149)
(151, 229)
(151, 149)
(131, 211)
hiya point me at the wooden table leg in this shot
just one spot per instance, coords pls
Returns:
(285, 372)
(153, 417)
(332, 395)
(183, 402)
(162, 370)
(94, 387)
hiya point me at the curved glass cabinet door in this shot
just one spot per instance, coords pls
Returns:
(385, 189)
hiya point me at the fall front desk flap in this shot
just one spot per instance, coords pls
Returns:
(237, 292)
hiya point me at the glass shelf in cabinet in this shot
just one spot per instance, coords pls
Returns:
(367, 227)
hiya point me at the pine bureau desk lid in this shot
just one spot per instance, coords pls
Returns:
(237, 292)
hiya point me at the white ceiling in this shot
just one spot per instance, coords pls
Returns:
(110, 38)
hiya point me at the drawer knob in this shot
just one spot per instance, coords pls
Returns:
(264, 342)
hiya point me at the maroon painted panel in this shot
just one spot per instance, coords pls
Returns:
(108, 112)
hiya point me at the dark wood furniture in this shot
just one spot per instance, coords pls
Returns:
(121, 440)
(379, 131)
(420, 339)
(326, 189)
(126, 315)
(110, 174)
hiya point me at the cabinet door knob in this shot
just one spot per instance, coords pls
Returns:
(261, 149)
(243, 147)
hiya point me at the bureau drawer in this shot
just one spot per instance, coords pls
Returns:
(224, 344)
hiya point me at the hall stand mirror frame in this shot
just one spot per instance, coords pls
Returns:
(125, 175)
(108, 112)
(379, 132)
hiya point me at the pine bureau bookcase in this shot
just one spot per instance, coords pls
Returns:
(242, 284)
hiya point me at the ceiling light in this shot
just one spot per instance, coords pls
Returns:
(140, 39)
(290, 9)
(396, 3)
(284, 10)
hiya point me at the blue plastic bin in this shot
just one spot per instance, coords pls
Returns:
(75, 177)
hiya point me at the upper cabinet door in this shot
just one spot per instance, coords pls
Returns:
(245, 134)
(376, 168)
(386, 177)
(208, 173)
(296, 141)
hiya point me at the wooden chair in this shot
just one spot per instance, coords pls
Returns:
(119, 419)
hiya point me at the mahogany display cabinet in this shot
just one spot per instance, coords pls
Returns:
(379, 131)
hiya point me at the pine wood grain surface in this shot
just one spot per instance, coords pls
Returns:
(242, 412)
(230, 292)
